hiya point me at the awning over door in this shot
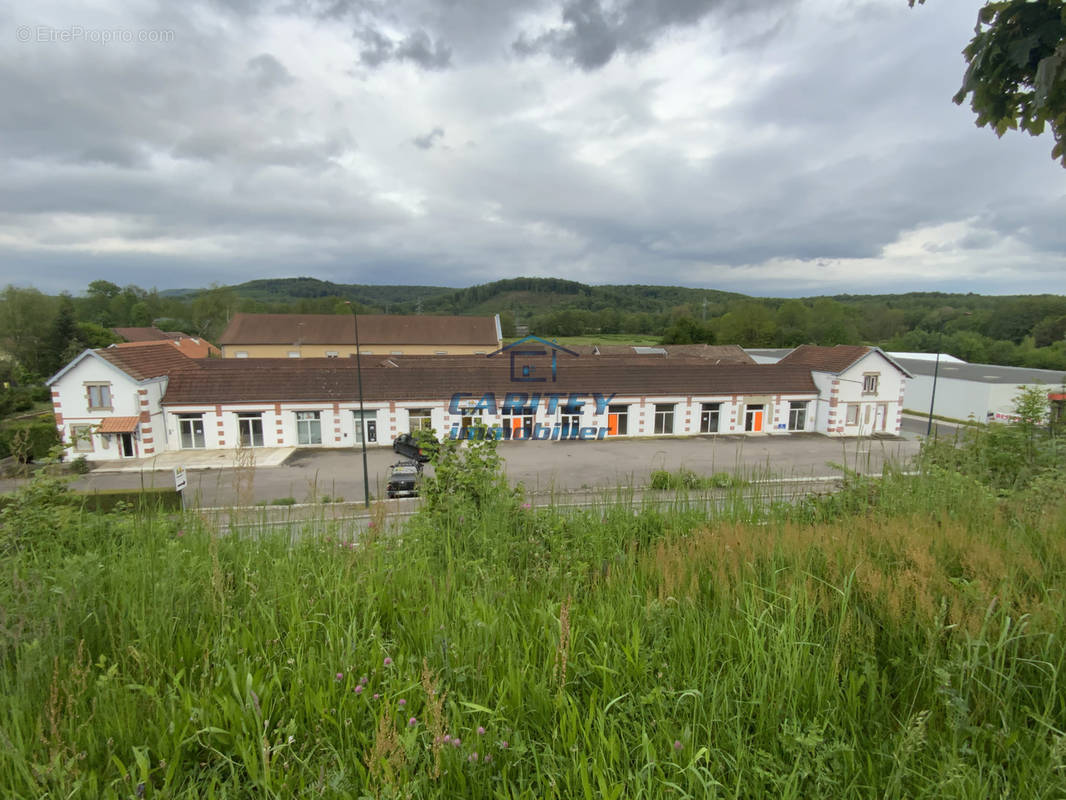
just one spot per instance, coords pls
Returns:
(118, 425)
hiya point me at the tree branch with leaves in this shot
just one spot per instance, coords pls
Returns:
(1016, 79)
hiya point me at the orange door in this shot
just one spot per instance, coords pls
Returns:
(756, 423)
(612, 424)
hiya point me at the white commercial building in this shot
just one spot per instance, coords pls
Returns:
(137, 402)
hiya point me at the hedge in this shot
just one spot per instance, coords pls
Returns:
(42, 433)
(109, 499)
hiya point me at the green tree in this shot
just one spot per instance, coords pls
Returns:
(792, 319)
(212, 309)
(686, 330)
(25, 317)
(507, 324)
(61, 341)
(140, 314)
(749, 324)
(830, 324)
(1017, 69)
(93, 335)
(98, 297)
(1049, 330)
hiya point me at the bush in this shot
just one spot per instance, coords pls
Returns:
(1004, 457)
(283, 501)
(128, 499)
(29, 441)
(467, 473)
(80, 465)
(661, 479)
(687, 479)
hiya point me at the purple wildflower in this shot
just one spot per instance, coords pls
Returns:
(504, 745)
(340, 676)
(388, 661)
(480, 731)
(678, 745)
(359, 689)
(401, 702)
(472, 756)
(412, 722)
(456, 741)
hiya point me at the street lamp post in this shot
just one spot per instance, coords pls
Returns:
(936, 373)
(362, 417)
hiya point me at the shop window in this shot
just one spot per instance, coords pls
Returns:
(710, 417)
(664, 418)
(308, 427)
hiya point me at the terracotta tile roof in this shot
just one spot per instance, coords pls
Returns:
(191, 346)
(118, 425)
(151, 360)
(826, 359)
(150, 334)
(279, 380)
(374, 329)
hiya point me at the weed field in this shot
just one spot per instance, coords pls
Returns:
(901, 639)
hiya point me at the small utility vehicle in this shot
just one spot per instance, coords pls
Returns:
(405, 479)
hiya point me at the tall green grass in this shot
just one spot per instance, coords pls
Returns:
(900, 639)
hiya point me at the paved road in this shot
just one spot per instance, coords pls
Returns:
(917, 426)
(539, 466)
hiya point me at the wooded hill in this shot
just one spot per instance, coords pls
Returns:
(520, 296)
(41, 332)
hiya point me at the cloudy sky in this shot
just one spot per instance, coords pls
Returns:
(773, 147)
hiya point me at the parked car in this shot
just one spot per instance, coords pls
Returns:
(408, 446)
(405, 479)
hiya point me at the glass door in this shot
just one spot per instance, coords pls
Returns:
(753, 416)
(366, 425)
(250, 430)
(192, 431)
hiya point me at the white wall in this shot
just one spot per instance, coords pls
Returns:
(70, 400)
(75, 398)
(955, 398)
(847, 388)
(965, 399)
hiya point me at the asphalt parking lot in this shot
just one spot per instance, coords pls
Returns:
(308, 475)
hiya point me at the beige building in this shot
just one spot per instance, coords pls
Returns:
(333, 335)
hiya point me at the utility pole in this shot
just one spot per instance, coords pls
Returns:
(362, 415)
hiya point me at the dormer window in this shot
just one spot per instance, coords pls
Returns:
(869, 382)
